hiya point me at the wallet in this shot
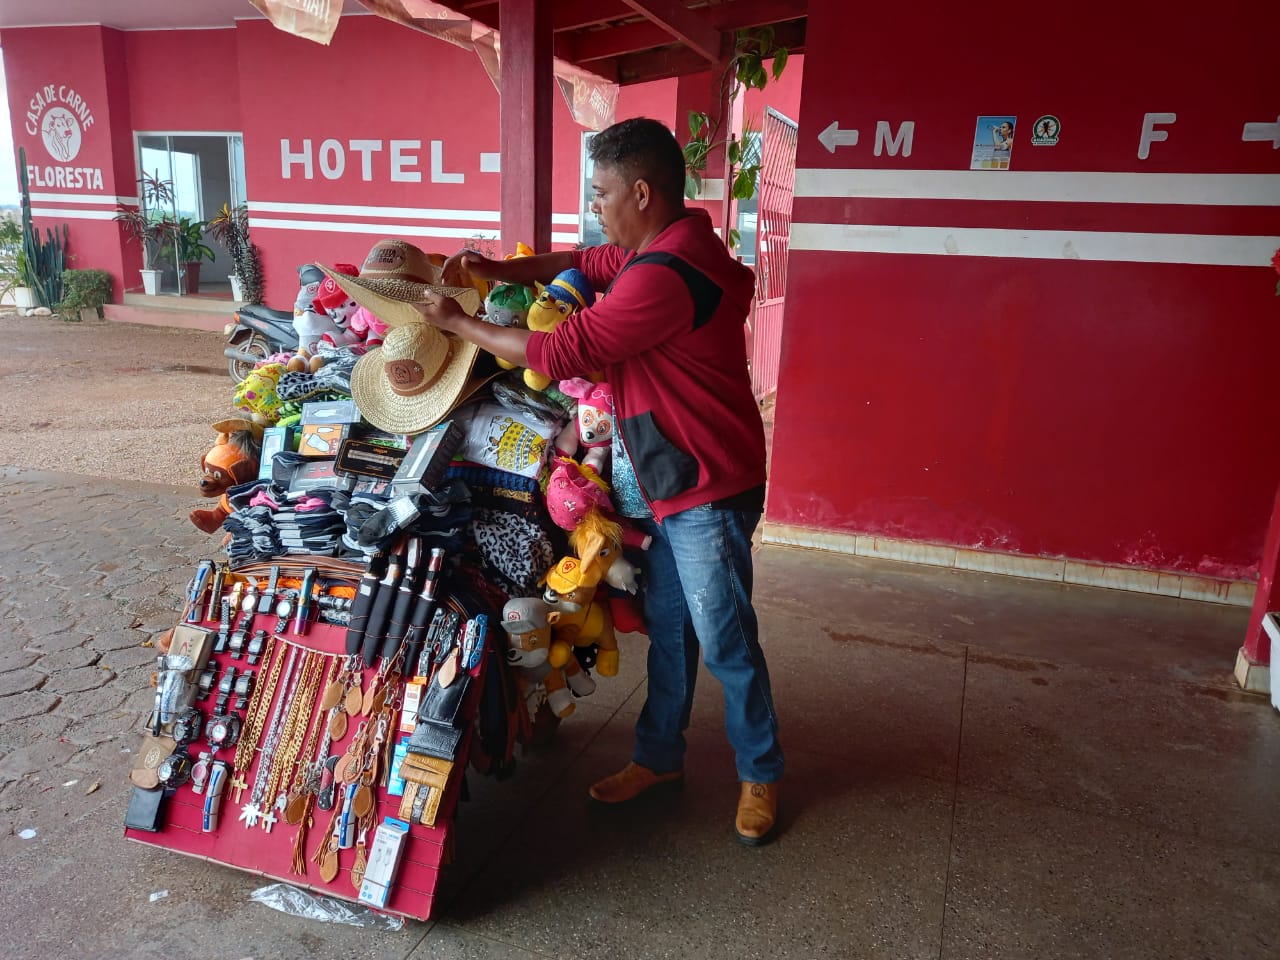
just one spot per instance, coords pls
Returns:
(146, 810)
(145, 773)
(424, 781)
(437, 732)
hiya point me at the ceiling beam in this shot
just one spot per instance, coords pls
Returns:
(680, 61)
(573, 14)
(682, 23)
(743, 14)
(617, 41)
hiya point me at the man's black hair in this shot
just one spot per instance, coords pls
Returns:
(643, 149)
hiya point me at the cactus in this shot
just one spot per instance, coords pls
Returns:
(43, 260)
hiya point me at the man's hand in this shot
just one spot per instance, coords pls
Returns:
(444, 312)
(465, 264)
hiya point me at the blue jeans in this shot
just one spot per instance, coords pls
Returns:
(697, 576)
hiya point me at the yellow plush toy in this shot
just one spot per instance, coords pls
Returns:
(568, 293)
(571, 592)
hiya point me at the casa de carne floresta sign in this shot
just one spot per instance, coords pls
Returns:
(59, 117)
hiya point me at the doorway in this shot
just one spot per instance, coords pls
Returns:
(207, 171)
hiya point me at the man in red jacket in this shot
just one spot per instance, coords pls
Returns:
(668, 335)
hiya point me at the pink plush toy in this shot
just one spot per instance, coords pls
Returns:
(366, 325)
(576, 492)
(594, 419)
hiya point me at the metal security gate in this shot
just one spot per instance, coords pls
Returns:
(773, 239)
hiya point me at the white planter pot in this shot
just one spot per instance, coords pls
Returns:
(150, 282)
(24, 298)
(237, 293)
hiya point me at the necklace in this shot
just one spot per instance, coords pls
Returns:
(252, 811)
(259, 704)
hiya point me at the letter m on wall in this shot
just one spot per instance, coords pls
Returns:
(902, 141)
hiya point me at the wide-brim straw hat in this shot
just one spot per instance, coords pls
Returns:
(394, 277)
(412, 382)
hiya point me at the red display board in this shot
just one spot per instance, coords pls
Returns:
(270, 853)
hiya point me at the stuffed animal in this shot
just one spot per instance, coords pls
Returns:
(576, 494)
(527, 621)
(594, 419)
(368, 327)
(256, 394)
(571, 591)
(232, 460)
(568, 293)
(332, 301)
(507, 305)
(308, 323)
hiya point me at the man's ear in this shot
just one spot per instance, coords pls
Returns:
(643, 194)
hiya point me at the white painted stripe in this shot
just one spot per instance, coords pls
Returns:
(392, 229)
(412, 213)
(72, 214)
(80, 198)
(712, 189)
(1194, 189)
(1037, 244)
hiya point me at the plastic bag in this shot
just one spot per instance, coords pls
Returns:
(300, 903)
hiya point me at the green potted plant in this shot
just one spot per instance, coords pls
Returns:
(84, 291)
(230, 230)
(192, 249)
(150, 226)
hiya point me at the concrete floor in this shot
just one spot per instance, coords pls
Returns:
(978, 767)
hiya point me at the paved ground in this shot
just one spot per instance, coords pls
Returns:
(978, 767)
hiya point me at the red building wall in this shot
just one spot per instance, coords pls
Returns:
(68, 79)
(979, 357)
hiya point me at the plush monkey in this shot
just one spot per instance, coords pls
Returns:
(233, 459)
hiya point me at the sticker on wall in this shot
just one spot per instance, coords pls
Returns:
(1045, 132)
(993, 143)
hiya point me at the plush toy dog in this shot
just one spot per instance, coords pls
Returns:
(233, 459)
(309, 323)
(568, 293)
(527, 621)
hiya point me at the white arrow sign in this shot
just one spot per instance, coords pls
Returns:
(833, 137)
(1264, 132)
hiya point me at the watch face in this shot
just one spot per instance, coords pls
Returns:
(218, 732)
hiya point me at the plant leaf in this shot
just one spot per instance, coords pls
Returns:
(780, 62)
(692, 185)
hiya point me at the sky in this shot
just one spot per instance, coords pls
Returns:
(9, 166)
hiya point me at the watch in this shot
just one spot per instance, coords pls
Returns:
(174, 770)
(187, 727)
(222, 730)
(243, 689)
(204, 682)
(284, 610)
(256, 643)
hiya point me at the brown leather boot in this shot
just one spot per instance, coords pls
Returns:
(757, 813)
(629, 782)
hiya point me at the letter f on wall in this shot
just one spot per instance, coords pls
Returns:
(1150, 134)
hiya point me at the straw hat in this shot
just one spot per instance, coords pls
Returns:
(394, 277)
(414, 379)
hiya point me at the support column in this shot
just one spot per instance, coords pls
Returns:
(526, 115)
(1252, 662)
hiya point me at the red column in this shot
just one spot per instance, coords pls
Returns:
(526, 91)
(1257, 645)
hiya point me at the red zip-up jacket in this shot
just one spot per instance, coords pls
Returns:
(668, 335)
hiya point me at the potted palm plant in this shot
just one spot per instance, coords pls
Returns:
(230, 230)
(150, 225)
(192, 249)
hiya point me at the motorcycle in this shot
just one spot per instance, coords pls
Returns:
(257, 333)
(260, 331)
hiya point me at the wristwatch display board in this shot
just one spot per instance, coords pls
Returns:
(273, 750)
